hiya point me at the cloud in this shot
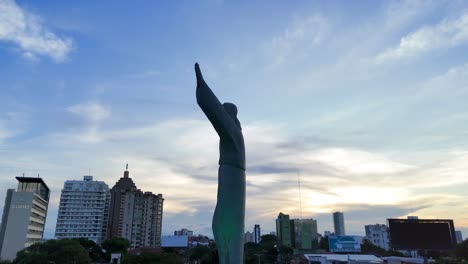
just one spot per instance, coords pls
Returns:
(446, 34)
(27, 32)
(11, 124)
(303, 34)
(91, 111)
(94, 113)
(178, 158)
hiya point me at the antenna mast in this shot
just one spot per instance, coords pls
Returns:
(300, 195)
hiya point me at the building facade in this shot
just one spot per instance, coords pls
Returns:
(83, 210)
(24, 216)
(459, 236)
(338, 222)
(183, 232)
(142, 219)
(283, 230)
(117, 201)
(248, 237)
(257, 234)
(304, 233)
(378, 235)
(135, 215)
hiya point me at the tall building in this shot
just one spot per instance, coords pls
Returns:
(83, 210)
(116, 208)
(24, 216)
(134, 214)
(338, 222)
(304, 233)
(378, 235)
(283, 230)
(142, 219)
(257, 234)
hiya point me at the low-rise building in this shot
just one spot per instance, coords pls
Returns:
(378, 235)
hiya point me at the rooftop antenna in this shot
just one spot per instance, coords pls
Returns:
(299, 184)
(23, 174)
(38, 175)
(126, 167)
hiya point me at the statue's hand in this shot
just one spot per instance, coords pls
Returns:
(200, 80)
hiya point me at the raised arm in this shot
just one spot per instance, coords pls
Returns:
(212, 107)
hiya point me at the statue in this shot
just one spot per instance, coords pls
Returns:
(228, 218)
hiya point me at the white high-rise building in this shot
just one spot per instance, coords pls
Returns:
(378, 235)
(24, 216)
(338, 222)
(83, 210)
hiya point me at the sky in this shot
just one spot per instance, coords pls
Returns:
(352, 106)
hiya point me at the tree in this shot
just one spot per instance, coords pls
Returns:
(324, 243)
(151, 257)
(115, 245)
(368, 247)
(462, 250)
(64, 251)
(93, 249)
(199, 252)
(269, 248)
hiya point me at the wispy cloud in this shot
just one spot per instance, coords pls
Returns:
(29, 34)
(302, 35)
(94, 113)
(448, 33)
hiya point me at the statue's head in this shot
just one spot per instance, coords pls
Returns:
(231, 109)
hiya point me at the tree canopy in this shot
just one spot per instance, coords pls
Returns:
(64, 251)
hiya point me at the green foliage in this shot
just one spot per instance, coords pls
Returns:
(324, 243)
(63, 251)
(150, 258)
(266, 250)
(200, 253)
(93, 249)
(368, 248)
(115, 245)
(462, 250)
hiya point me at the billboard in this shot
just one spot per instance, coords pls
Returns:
(432, 234)
(174, 241)
(344, 244)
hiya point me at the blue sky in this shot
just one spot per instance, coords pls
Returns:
(364, 100)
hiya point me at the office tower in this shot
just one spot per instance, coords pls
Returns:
(24, 216)
(283, 230)
(459, 236)
(135, 215)
(257, 234)
(338, 222)
(83, 210)
(304, 233)
(378, 235)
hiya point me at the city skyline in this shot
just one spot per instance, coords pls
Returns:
(363, 101)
